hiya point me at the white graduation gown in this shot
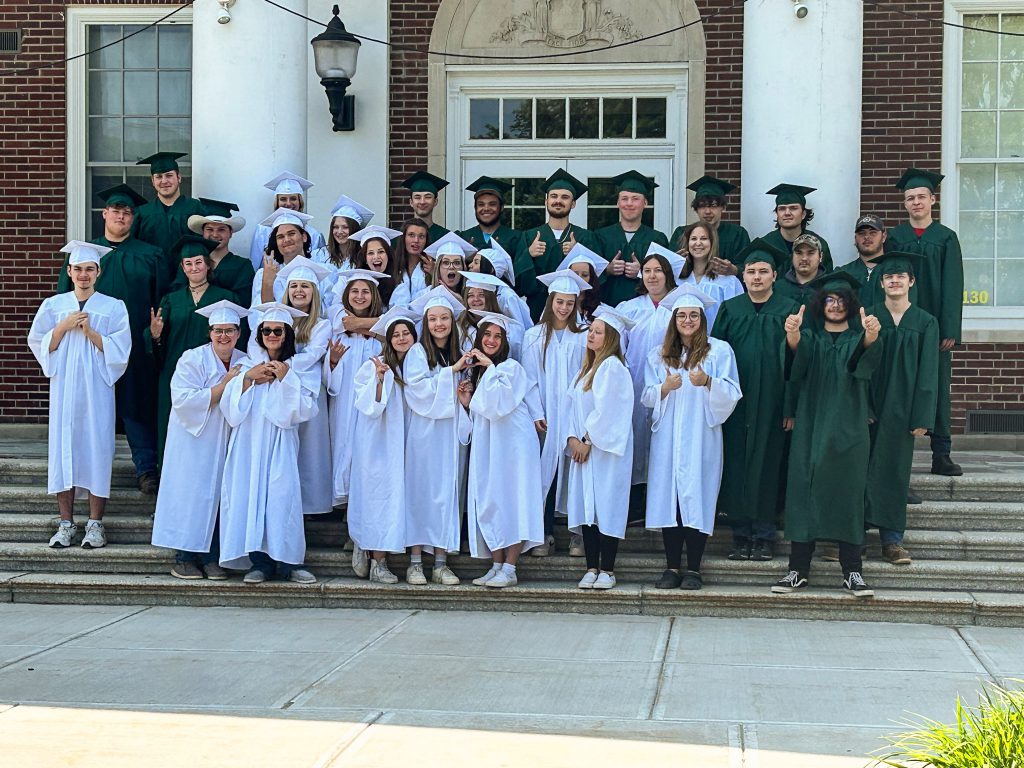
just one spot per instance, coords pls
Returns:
(505, 501)
(376, 501)
(439, 430)
(197, 444)
(261, 237)
(80, 448)
(513, 305)
(647, 334)
(316, 474)
(554, 373)
(721, 288)
(599, 488)
(410, 288)
(686, 445)
(261, 501)
(341, 399)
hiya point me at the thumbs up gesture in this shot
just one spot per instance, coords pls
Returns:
(617, 266)
(871, 327)
(538, 247)
(792, 326)
(698, 378)
(568, 244)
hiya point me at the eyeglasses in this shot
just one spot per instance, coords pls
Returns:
(835, 300)
(451, 262)
(223, 331)
(272, 331)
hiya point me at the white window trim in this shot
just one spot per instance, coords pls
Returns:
(986, 324)
(78, 19)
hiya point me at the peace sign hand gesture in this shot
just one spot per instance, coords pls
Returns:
(156, 323)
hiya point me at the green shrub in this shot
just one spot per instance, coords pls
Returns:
(989, 736)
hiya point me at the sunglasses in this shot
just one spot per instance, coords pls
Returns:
(272, 331)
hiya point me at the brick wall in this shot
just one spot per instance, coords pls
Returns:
(986, 377)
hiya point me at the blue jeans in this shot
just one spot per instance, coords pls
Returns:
(261, 561)
(890, 537)
(202, 558)
(754, 529)
(142, 441)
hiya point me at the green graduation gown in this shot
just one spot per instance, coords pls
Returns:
(133, 273)
(787, 285)
(754, 441)
(939, 291)
(183, 330)
(732, 238)
(618, 288)
(509, 239)
(536, 293)
(161, 225)
(871, 292)
(903, 396)
(775, 238)
(435, 233)
(828, 456)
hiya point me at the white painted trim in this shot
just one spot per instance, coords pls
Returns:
(77, 19)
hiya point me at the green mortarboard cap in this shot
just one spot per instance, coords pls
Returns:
(839, 281)
(193, 245)
(897, 261)
(489, 185)
(634, 181)
(162, 162)
(913, 178)
(421, 181)
(217, 207)
(760, 250)
(121, 194)
(709, 186)
(562, 180)
(789, 194)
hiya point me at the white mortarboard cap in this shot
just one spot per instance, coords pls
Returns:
(614, 318)
(276, 312)
(223, 312)
(483, 281)
(369, 275)
(81, 252)
(450, 244)
(286, 216)
(288, 183)
(504, 321)
(389, 318)
(376, 232)
(688, 295)
(580, 254)
(500, 260)
(438, 296)
(564, 281)
(674, 259)
(301, 268)
(350, 209)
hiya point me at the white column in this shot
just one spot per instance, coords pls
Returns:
(802, 113)
(248, 104)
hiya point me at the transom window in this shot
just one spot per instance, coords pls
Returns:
(606, 117)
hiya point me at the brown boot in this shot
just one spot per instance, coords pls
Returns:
(896, 554)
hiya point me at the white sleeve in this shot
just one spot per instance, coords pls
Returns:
(725, 392)
(432, 397)
(365, 390)
(39, 337)
(500, 390)
(117, 345)
(190, 397)
(610, 424)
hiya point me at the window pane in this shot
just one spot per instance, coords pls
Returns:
(583, 118)
(140, 49)
(979, 86)
(175, 93)
(517, 118)
(618, 118)
(528, 218)
(601, 217)
(139, 137)
(978, 277)
(601, 191)
(100, 179)
(483, 118)
(105, 93)
(175, 46)
(1010, 231)
(550, 118)
(137, 177)
(140, 93)
(1010, 186)
(528, 192)
(977, 187)
(1013, 47)
(980, 46)
(176, 133)
(100, 35)
(977, 235)
(650, 118)
(105, 139)
(1011, 87)
(1010, 275)
(978, 134)
(1011, 134)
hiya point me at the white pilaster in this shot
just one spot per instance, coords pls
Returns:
(802, 113)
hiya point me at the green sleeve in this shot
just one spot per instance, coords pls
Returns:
(63, 281)
(863, 362)
(951, 315)
(526, 272)
(926, 388)
(660, 239)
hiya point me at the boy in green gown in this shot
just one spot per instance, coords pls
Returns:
(802, 268)
(423, 191)
(755, 434)
(227, 270)
(903, 395)
(488, 204)
(939, 292)
(709, 204)
(626, 242)
(791, 219)
(164, 219)
(869, 240)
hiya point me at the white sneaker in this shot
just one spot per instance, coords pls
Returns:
(502, 579)
(481, 581)
(576, 546)
(360, 562)
(380, 573)
(95, 536)
(414, 575)
(545, 549)
(444, 575)
(587, 582)
(65, 533)
(255, 576)
(605, 581)
(301, 576)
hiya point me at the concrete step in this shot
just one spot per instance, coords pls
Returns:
(16, 497)
(923, 607)
(972, 486)
(32, 470)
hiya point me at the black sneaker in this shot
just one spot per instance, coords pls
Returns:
(855, 585)
(913, 498)
(791, 582)
(692, 580)
(740, 548)
(762, 549)
(669, 580)
(943, 465)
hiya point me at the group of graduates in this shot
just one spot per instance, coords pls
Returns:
(461, 390)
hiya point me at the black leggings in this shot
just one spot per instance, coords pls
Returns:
(600, 549)
(674, 539)
(801, 552)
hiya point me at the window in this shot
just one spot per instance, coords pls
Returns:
(524, 205)
(606, 117)
(602, 208)
(990, 160)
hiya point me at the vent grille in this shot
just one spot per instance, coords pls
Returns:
(10, 41)
(995, 422)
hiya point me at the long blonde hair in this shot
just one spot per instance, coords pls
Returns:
(612, 347)
(304, 325)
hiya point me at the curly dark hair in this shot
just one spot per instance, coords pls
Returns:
(816, 305)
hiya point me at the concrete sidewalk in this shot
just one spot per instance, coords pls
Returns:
(114, 686)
